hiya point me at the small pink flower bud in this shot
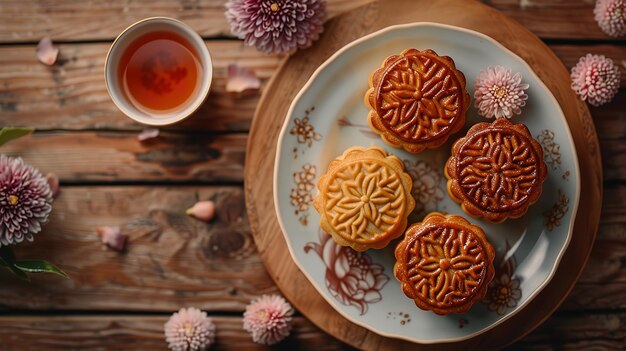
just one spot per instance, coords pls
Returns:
(112, 237)
(203, 210)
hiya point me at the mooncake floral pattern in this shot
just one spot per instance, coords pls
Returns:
(426, 189)
(364, 199)
(497, 169)
(446, 266)
(504, 290)
(351, 277)
(304, 132)
(551, 150)
(557, 212)
(419, 97)
(301, 197)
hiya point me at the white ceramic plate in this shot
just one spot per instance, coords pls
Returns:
(329, 115)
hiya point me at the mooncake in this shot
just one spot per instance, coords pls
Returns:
(417, 100)
(364, 198)
(496, 171)
(444, 264)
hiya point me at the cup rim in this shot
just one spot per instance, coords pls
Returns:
(202, 94)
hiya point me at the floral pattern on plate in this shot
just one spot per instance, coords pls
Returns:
(301, 195)
(304, 132)
(351, 276)
(555, 214)
(504, 290)
(551, 149)
(426, 188)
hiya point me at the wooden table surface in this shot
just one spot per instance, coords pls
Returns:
(121, 300)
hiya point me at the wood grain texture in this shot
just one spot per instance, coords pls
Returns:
(366, 19)
(603, 281)
(563, 19)
(141, 333)
(72, 94)
(610, 119)
(578, 332)
(605, 264)
(118, 156)
(614, 157)
(30, 20)
(171, 259)
(227, 269)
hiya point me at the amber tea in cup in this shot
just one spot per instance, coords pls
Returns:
(158, 71)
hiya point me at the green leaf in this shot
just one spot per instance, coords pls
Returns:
(11, 133)
(39, 266)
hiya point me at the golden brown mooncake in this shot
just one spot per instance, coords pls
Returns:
(364, 198)
(444, 264)
(496, 171)
(417, 100)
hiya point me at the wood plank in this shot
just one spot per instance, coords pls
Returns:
(577, 332)
(609, 252)
(72, 94)
(171, 259)
(119, 156)
(562, 19)
(139, 333)
(603, 281)
(30, 20)
(614, 159)
(610, 119)
(595, 296)
(121, 332)
(174, 260)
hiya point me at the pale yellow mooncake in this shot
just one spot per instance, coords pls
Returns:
(364, 198)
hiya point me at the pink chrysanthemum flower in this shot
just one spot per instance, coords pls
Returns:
(596, 79)
(268, 319)
(275, 26)
(25, 201)
(611, 16)
(189, 329)
(499, 93)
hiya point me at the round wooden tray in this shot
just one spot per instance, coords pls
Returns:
(294, 73)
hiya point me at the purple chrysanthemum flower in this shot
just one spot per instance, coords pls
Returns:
(25, 201)
(499, 93)
(275, 26)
